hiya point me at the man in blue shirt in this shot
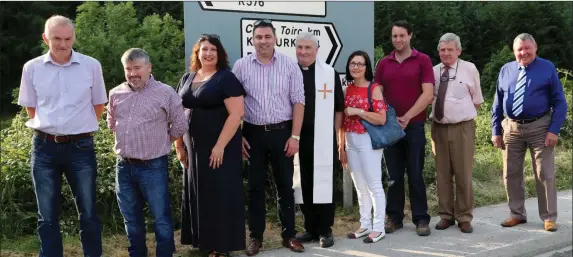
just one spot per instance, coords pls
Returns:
(531, 96)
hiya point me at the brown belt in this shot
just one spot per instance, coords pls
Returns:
(62, 138)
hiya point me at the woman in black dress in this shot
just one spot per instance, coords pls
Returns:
(213, 216)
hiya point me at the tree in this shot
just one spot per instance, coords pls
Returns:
(490, 72)
(22, 25)
(106, 31)
(484, 28)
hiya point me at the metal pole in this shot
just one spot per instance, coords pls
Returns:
(347, 189)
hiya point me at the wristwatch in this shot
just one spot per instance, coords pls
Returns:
(295, 137)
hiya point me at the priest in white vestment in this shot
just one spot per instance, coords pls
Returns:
(317, 159)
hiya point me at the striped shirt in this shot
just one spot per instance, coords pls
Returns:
(63, 95)
(272, 89)
(143, 120)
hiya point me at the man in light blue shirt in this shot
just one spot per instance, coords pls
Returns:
(531, 97)
(64, 95)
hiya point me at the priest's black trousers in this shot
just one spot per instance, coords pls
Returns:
(267, 145)
(318, 218)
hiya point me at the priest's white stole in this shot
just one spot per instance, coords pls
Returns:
(323, 139)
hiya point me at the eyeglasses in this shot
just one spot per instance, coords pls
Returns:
(263, 22)
(444, 79)
(209, 36)
(357, 64)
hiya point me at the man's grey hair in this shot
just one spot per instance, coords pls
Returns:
(134, 54)
(55, 21)
(524, 37)
(450, 37)
(307, 36)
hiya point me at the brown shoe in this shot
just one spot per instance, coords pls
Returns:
(465, 227)
(550, 226)
(294, 245)
(254, 247)
(444, 224)
(511, 221)
(422, 229)
(390, 227)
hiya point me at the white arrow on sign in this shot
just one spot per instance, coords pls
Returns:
(287, 31)
(293, 8)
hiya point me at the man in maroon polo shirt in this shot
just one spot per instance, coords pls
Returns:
(408, 80)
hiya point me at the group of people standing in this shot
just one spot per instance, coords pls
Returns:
(272, 110)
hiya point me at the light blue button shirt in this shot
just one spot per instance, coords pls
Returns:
(63, 95)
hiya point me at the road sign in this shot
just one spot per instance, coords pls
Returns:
(287, 31)
(289, 8)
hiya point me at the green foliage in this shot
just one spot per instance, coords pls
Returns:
(490, 73)
(106, 31)
(566, 133)
(18, 203)
(378, 54)
(22, 26)
(484, 27)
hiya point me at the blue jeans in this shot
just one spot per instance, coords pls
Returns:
(77, 161)
(136, 183)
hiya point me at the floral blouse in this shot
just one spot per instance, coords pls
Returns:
(357, 97)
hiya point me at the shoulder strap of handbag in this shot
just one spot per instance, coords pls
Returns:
(370, 97)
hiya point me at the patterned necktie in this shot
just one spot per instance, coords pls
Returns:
(519, 92)
(444, 79)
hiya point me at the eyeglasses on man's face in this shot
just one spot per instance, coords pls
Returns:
(357, 64)
(448, 78)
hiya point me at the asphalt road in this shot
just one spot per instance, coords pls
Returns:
(488, 240)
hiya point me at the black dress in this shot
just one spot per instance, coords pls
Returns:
(212, 217)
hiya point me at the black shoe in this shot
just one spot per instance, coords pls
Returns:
(306, 237)
(326, 241)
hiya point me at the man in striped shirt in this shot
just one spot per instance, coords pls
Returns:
(274, 109)
(145, 116)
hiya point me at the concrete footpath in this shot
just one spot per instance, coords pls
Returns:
(489, 239)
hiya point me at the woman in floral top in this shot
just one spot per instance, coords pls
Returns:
(364, 162)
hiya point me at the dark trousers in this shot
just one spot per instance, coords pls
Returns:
(407, 156)
(268, 146)
(77, 161)
(135, 184)
(318, 218)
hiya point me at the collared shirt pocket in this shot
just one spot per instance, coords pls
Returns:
(79, 87)
(460, 89)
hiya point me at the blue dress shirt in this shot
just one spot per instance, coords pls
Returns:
(543, 92)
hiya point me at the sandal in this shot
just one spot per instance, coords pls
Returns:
(355, 235)
(369, 239)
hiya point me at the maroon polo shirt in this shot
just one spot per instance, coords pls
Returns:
(402, 82)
